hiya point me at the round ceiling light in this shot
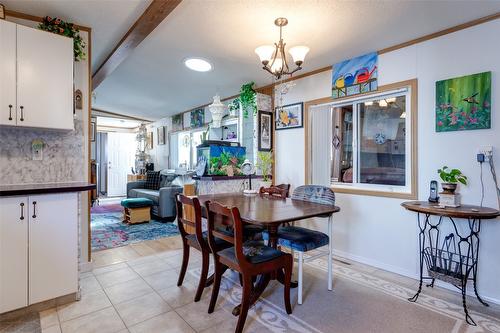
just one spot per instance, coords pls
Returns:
(198, 64)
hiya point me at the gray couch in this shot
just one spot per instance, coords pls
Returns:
(163, 198)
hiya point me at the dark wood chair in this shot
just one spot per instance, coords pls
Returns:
(198, 240)
(249, 258)
(285, 187)
(274, 191)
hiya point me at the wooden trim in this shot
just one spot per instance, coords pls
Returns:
(23, 16)
(156, 12)
(441, 33)
(119, 115)
(89, 129)
(413, 84)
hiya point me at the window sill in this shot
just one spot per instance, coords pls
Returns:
(348, 189)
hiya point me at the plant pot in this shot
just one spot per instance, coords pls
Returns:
(449, 187)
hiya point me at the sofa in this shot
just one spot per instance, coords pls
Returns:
(163, 198)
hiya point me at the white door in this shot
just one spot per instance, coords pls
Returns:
(8, 105)
(44, 79)
(13, 253)
(53, 251)
(121, 157)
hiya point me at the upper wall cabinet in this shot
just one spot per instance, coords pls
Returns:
(36, 78)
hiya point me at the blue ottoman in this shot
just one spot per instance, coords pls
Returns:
(137, 210)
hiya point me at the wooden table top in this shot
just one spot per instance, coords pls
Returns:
(464, 211)
(265, 210)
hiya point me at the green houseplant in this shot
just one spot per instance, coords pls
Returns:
(248, 99)
(265, 164)
(450, 178)
(60, 27)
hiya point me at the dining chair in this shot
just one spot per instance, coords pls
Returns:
(249, 258)
(285, 187)
(198, 240)
(301, 239)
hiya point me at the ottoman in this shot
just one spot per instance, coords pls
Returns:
(137, 210)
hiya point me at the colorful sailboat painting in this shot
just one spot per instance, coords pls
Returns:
(355, 76)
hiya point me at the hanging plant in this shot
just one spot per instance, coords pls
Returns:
(60, 27)
(248, 99)
(234, 107)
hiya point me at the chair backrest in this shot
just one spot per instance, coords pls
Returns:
(314, 193)
(285, 187)
(225, 223)
(182, 221)
(273, 191)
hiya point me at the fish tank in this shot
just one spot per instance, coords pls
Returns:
(221, 158)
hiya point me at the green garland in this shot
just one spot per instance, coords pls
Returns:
(248, 99)
(60, 27)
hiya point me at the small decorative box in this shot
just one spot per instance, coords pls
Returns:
(449, 200)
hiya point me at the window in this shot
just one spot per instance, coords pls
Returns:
(183, 145)
(366, 143)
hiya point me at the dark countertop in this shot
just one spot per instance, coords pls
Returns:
(215, 178)
(44, 188)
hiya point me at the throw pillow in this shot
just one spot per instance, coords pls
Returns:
(152, 180)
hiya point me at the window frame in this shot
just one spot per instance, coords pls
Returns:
(410, 190)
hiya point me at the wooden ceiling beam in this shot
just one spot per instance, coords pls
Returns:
(157, 11)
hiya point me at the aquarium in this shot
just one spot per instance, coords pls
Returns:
(221, 158)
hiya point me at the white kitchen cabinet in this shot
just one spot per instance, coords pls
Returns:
(39, 77)
(39, 253)
(13, 253)
(8, 105)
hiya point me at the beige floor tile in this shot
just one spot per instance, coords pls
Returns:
(152, 267)
(52, 329)
(84, 275)
(169, 253)
(89, 303)
(169, 322)
(142, 308)
(143, 249)
(118, 276)
(158, 245)
(162, 280)
(228, 326)
(127, 290)
(89, 284)
(109, 268)
(180, 296)
(49, 318)
(142, 260)
(102, 321)
(196, 315)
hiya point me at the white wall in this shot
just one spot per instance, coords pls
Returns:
(159, 153)
(387, 238)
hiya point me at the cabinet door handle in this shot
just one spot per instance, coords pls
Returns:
(10, 111)
(34, 210)
(22, 211)
(22, 113)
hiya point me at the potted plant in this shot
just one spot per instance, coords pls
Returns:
(264, 164)
(451, 178)
(248, 99)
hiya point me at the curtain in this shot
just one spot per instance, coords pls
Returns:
(320, 144)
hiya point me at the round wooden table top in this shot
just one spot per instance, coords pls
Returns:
(464, 211)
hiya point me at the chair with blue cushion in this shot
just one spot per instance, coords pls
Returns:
(303, 240)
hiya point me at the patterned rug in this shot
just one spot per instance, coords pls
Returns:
(108, 231)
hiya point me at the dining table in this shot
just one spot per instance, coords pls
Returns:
(269, 212)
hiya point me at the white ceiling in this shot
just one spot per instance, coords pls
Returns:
(116, 122)
(153, 82)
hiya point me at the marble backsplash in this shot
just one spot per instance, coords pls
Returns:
(63, 155)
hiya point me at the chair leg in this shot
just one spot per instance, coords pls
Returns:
(245, 302)
(330, 253)
(185, 261)
(203, 276)
(299, 288)
(288, 278)
(215, 289)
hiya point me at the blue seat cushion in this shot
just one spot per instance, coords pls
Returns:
(218, 241)
(255, 252)
(299, 239)
(136, 202)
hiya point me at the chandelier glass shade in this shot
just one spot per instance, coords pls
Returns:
(273, 58)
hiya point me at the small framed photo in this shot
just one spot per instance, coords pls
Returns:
(2, 12)
(160, 131)
(265, 140)
(93, 131)
(149, 140)
(290, 116)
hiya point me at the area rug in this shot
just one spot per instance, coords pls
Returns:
(108, 231)
(359, 303)
(111, 208)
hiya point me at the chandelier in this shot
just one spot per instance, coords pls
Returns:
(274, 59)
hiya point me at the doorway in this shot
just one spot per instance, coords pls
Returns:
(121, 151)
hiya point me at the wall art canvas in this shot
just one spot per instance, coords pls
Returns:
(355, 76)
(160, 131)
(290, 116)
(464, 103)
(149, 140)
(197, 117)
(177, 122)
(265, 142)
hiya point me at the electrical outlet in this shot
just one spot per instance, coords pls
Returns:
(486, 150)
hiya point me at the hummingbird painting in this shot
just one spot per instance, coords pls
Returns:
(471, 99)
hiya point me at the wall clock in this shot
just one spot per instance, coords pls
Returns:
(380, 138)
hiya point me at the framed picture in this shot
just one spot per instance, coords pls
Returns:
(93, 131)
(355, 76)
(2, 12)
(290, 116)
(177, 122)
(265, 131)
(464, 103)
(160, 131)
(149, 140)
(197, 118)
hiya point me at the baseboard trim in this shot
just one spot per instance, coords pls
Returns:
(406, 273)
